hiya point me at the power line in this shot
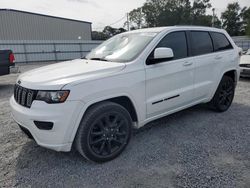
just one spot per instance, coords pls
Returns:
(117, 21)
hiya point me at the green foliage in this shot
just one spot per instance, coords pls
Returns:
(136, 18)
(155, 13)
(246, 19)
(232, 19)
(166, 12)
(107, 32)
(97, 35)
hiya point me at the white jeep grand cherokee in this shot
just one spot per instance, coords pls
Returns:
(128, 81)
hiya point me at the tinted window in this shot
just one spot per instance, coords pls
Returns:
(220, 42)
(177, 42)
(201, 43)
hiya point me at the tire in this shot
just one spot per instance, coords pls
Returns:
(224, 95)
(104, 132)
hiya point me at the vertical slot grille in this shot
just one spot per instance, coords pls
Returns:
(24, 96)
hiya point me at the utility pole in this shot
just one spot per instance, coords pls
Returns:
(128, 22)
(213, 19)
(140, 18)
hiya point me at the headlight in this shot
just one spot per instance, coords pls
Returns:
(52, 96)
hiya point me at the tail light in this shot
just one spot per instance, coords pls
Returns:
(11, 58)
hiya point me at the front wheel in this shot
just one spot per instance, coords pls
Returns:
(224, 95)
(104, 132)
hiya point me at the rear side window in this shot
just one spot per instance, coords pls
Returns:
(201, 43)
(220, 42)
(177, 42)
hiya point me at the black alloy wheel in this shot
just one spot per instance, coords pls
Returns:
(108, 134)
(224, 95)
(104, 132)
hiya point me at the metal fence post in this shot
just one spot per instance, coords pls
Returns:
(25, 52)
(55, 53)
(81, 50)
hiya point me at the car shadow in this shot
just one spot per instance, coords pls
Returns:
(168, 137)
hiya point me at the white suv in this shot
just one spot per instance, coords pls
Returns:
(128, 81)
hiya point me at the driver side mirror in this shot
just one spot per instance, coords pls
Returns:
(161, 55)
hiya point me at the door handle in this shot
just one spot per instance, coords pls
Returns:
(187, 63)
(218, 57)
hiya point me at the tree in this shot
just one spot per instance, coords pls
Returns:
(217, 22)
(110, 31)
(246, 19)
(151, 10)
(97, 35)
(107, 32)
(157, 13)
(199, 16)
(232, 19)
(136, 18)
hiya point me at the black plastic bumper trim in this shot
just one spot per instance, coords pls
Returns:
(42, 125)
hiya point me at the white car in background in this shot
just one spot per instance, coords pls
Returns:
(245, 64)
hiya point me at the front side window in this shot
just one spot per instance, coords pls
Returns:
(122, 48)
(220, 42)
(177, 42)
(201, 43)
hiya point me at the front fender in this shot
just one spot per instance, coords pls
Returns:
(100, 99)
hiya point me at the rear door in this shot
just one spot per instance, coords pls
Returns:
(205, 63)
(210, 51)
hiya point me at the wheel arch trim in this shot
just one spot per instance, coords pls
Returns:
(220, 78)
(98, 100)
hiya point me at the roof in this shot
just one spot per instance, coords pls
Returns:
(37, 14)
(186, 27)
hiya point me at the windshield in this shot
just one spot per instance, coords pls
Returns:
(121, 48)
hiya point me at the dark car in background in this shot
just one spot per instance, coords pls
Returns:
(7, 59)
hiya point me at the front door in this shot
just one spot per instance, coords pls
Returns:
(170, 83)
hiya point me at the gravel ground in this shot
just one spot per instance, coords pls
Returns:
(193, 148)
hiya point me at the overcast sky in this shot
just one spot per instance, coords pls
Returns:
(99, 12)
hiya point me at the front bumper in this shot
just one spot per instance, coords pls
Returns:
(64, 116)
(244, 72)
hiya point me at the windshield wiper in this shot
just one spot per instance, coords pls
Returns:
(99, 59)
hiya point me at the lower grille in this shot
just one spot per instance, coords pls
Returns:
(24, 96)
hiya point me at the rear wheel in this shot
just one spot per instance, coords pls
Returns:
(224, 95)
(104, 132)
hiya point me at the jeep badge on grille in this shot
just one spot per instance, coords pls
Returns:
(19, 82)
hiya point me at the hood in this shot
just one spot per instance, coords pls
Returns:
(245, 59)
(55, 76)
